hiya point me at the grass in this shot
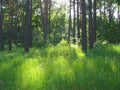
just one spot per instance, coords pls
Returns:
(61, 67)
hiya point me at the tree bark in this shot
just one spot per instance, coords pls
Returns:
(84, 36)
(94, 21)
(1, 25)
(70, 21)
(90, 24)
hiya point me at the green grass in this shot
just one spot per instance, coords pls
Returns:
(61, 67)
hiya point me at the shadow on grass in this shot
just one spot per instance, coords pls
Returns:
(60, 68)
(104, 52)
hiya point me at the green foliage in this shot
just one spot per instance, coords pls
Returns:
(118, 1)
(108, 31)
(61, 67)
(58, 22)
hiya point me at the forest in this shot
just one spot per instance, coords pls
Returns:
(59, 44)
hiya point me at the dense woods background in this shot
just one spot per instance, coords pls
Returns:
(59, 44)
(27, 23)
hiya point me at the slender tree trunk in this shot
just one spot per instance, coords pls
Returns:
(49, 17)
(26, 37)
(100, 10)
(84, 36)
(118, 14)
(90, 24)
(1, 25)
(42, 17)
(10, 17)
(74, 21)
(30, 17)
(110, 10)
(104, 9)
(23, 23)
(70, 21)
(78, 18)
(119, 19)
(94, 21)
(46, 20)
(15, 30)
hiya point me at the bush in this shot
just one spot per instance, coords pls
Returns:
(108, 31)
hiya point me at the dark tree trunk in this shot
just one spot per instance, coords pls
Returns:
(26, 35)
(46, 4)
(94, 21)
(70, 21)
(90, 24)
(30, 17)
(119, 19)
(45, 18)
(110, 10)
(100, 10)
(23, 23)
(49, 17)
(74, 21)
(42, 17)
(1, 25)
(84, 36)
(15, 30)
(78, 18)
(104, 9)
(118, 14)
(10, 28)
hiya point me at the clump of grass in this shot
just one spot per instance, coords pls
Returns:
(61, 67)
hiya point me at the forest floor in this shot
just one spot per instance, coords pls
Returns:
(61, 67)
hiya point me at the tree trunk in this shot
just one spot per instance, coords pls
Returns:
(84, 36)
(94, 21)
(90, 24)
(30, 17)
(70, 21)
(110, 10)
(26, 37)
(104, 9)
(74, 21)
(78, 18)
(10, 17)
(1, 25)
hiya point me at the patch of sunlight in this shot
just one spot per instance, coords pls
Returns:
(113, 66)
(116, 48)
(32, 72)
(63, 68)
(74, 46)
(59, 51)
(79, 51)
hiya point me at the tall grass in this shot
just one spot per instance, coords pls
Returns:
(61, 67)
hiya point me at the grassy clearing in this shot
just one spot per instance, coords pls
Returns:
(61, 67)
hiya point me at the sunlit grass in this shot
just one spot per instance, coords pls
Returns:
(61, 67)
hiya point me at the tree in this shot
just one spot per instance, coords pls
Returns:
(84, 36)
(90, 24)
(45, 7)
(27, 33)
(1, 25)
(30, 25)
(10, 24)
(78, 19)
(70, 20)
(74, 22)
(94, 21)
(110, 10)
